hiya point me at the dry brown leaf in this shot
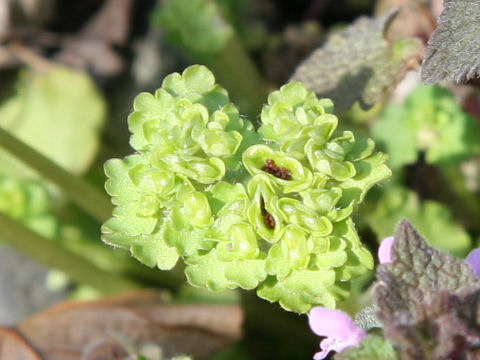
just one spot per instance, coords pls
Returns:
(414, 19)
(4, 18)
(111, 23)
(67, 330)
(92, 47)
(14, 347)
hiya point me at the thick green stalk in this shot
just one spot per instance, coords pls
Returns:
(87, 197)
(56, 256)
(237, 73)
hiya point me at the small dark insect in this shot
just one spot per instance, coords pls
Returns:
(279, 172)
(268, 218)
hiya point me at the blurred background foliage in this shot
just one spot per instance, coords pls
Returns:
(69, 71)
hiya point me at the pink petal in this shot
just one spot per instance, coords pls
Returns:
(330, 322)
(473, 260)
(385, 250)
(338, 328)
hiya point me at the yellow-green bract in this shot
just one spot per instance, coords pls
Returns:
(268, 210)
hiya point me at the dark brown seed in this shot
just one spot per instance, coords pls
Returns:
(279, 172)
(268, 220)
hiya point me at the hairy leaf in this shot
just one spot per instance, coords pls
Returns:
(373, 347)
(453, 52)
(358, 64)
(367, 318)
(427, 300)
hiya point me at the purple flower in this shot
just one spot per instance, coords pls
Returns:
(385, 250)
(385, 255)
(473, 260)
(339, 330)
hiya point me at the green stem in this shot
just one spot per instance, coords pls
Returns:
(238, 74)
(87, 197)
(55, 256)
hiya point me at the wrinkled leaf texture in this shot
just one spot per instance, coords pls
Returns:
(359, 64)
(427, 301)
(453, 52)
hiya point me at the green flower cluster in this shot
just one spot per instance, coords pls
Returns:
(268, 210)
(28, 201)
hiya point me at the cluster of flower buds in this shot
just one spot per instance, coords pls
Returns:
(269, 210)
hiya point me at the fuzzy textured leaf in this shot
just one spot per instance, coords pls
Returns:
(358, 64)
(425, 299)
(373, 347)
(453, 52)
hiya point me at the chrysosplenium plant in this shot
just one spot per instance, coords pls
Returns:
(269, 209)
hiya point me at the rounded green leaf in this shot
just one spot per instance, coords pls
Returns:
(197, 209)
(154, 251)
(243, 241)
(301, 290)
(295, 212)
(294, 247)
(321, 161)
(219, 143)
(246, 273)
(209, 272)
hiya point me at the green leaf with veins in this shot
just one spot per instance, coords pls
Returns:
(59, 113)
(453, 52)
(358, 64)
